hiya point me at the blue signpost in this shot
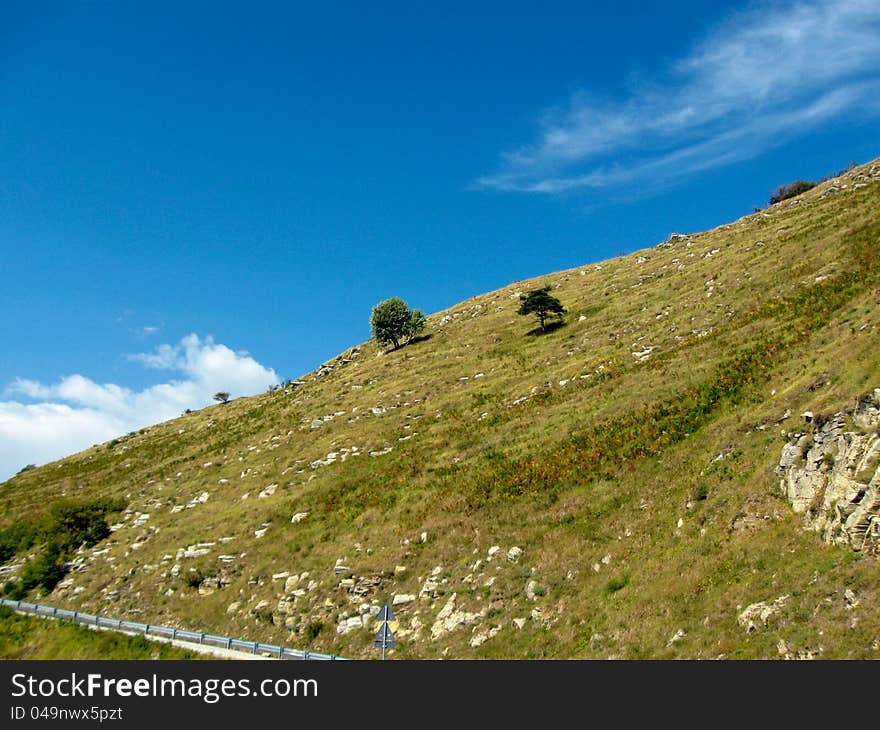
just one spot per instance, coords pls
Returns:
(384, 637)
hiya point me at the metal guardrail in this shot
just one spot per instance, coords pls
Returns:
(192, 637)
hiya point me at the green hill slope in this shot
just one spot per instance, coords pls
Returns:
(628, 456)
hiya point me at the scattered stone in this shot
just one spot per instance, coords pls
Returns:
(299, 517)
(401, 599)
(350, 624)
(481, 637)
(492, 550)
(449, 618)
(268, 491)
(519, 623)
(756, 615)
(850, 597)
(676, 637)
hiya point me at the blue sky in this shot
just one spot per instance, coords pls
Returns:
(201, 196)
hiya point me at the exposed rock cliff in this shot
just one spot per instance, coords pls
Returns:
(831, 474)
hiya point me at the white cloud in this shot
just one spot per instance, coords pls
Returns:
(77, 412)
(759, 79)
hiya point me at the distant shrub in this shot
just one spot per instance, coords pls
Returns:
(15, 538)
(792, 189)
(313, 630)
(69, 524)
(221, 397)
(77, 523)
(849, 168)
(45, 571)
(616, 584)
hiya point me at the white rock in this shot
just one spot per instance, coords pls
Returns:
(756, 615)
(401, 599)
(481, 637)
(514, 554)
(268, 491)
(519, 623)
(677, 636)
(449, 618)
(494, 549)
(349, 624)
(299, 517)
(531, 589)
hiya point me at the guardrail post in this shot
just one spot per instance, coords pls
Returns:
(228, 643)
(305, 655)
(146, 629)
(75, 615)
(255, 647)
(173, 634)
(201, 638)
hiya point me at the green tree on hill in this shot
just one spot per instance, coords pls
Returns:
(393, 322)
(542, 304)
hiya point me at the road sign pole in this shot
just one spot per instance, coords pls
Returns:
(384, 637)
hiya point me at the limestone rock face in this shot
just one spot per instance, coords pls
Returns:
(831, 475)
(451, 617)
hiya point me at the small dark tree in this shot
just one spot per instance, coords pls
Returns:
(221, 397)
(792, 189)
(393, 322)
(542, 304)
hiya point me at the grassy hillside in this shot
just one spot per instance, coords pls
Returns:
(29, 637)
(628, 454)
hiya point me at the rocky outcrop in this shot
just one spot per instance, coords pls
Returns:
(831, 475)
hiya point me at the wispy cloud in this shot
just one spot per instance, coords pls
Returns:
(77, 412)
(761, 78)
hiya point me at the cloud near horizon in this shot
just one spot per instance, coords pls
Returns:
(761, 78)
(77, 412)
